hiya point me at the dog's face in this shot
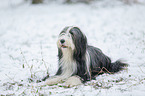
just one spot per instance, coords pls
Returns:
(65, 40)
(72, 38)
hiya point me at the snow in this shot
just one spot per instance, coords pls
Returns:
(28, 35)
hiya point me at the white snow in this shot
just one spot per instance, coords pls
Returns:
(28, 35)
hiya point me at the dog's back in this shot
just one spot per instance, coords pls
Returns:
(100, 63)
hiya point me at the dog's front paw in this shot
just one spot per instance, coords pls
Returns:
(73, 81)
(53, 81)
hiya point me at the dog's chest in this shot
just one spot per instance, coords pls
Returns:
(68, 64)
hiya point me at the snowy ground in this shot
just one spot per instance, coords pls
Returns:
(28, 35)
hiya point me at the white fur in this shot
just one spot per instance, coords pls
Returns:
(88, 63)
(54, 80)
(73, 81)
(69, 66)
(67, 63)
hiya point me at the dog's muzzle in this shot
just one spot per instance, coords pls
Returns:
(62, 43)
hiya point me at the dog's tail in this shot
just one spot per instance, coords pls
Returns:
(117, 66)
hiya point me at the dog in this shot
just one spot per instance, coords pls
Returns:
(79, 62)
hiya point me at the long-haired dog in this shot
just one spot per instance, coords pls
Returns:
(78, 61)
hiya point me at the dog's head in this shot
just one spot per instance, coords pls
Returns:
(72, 38)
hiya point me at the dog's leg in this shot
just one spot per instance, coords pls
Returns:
(54, 80)
(73, 81)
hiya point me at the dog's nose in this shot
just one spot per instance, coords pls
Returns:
(62, 41)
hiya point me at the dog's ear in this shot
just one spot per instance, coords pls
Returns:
(80, 42)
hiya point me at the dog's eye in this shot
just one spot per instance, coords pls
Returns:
(61, 34)
(69, 35)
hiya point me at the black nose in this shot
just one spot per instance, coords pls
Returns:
(62, 41)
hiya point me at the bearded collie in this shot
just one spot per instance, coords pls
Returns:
(79, 62)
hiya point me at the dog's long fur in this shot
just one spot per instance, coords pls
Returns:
(77, 58)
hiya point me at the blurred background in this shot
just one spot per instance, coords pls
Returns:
(28, 50)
